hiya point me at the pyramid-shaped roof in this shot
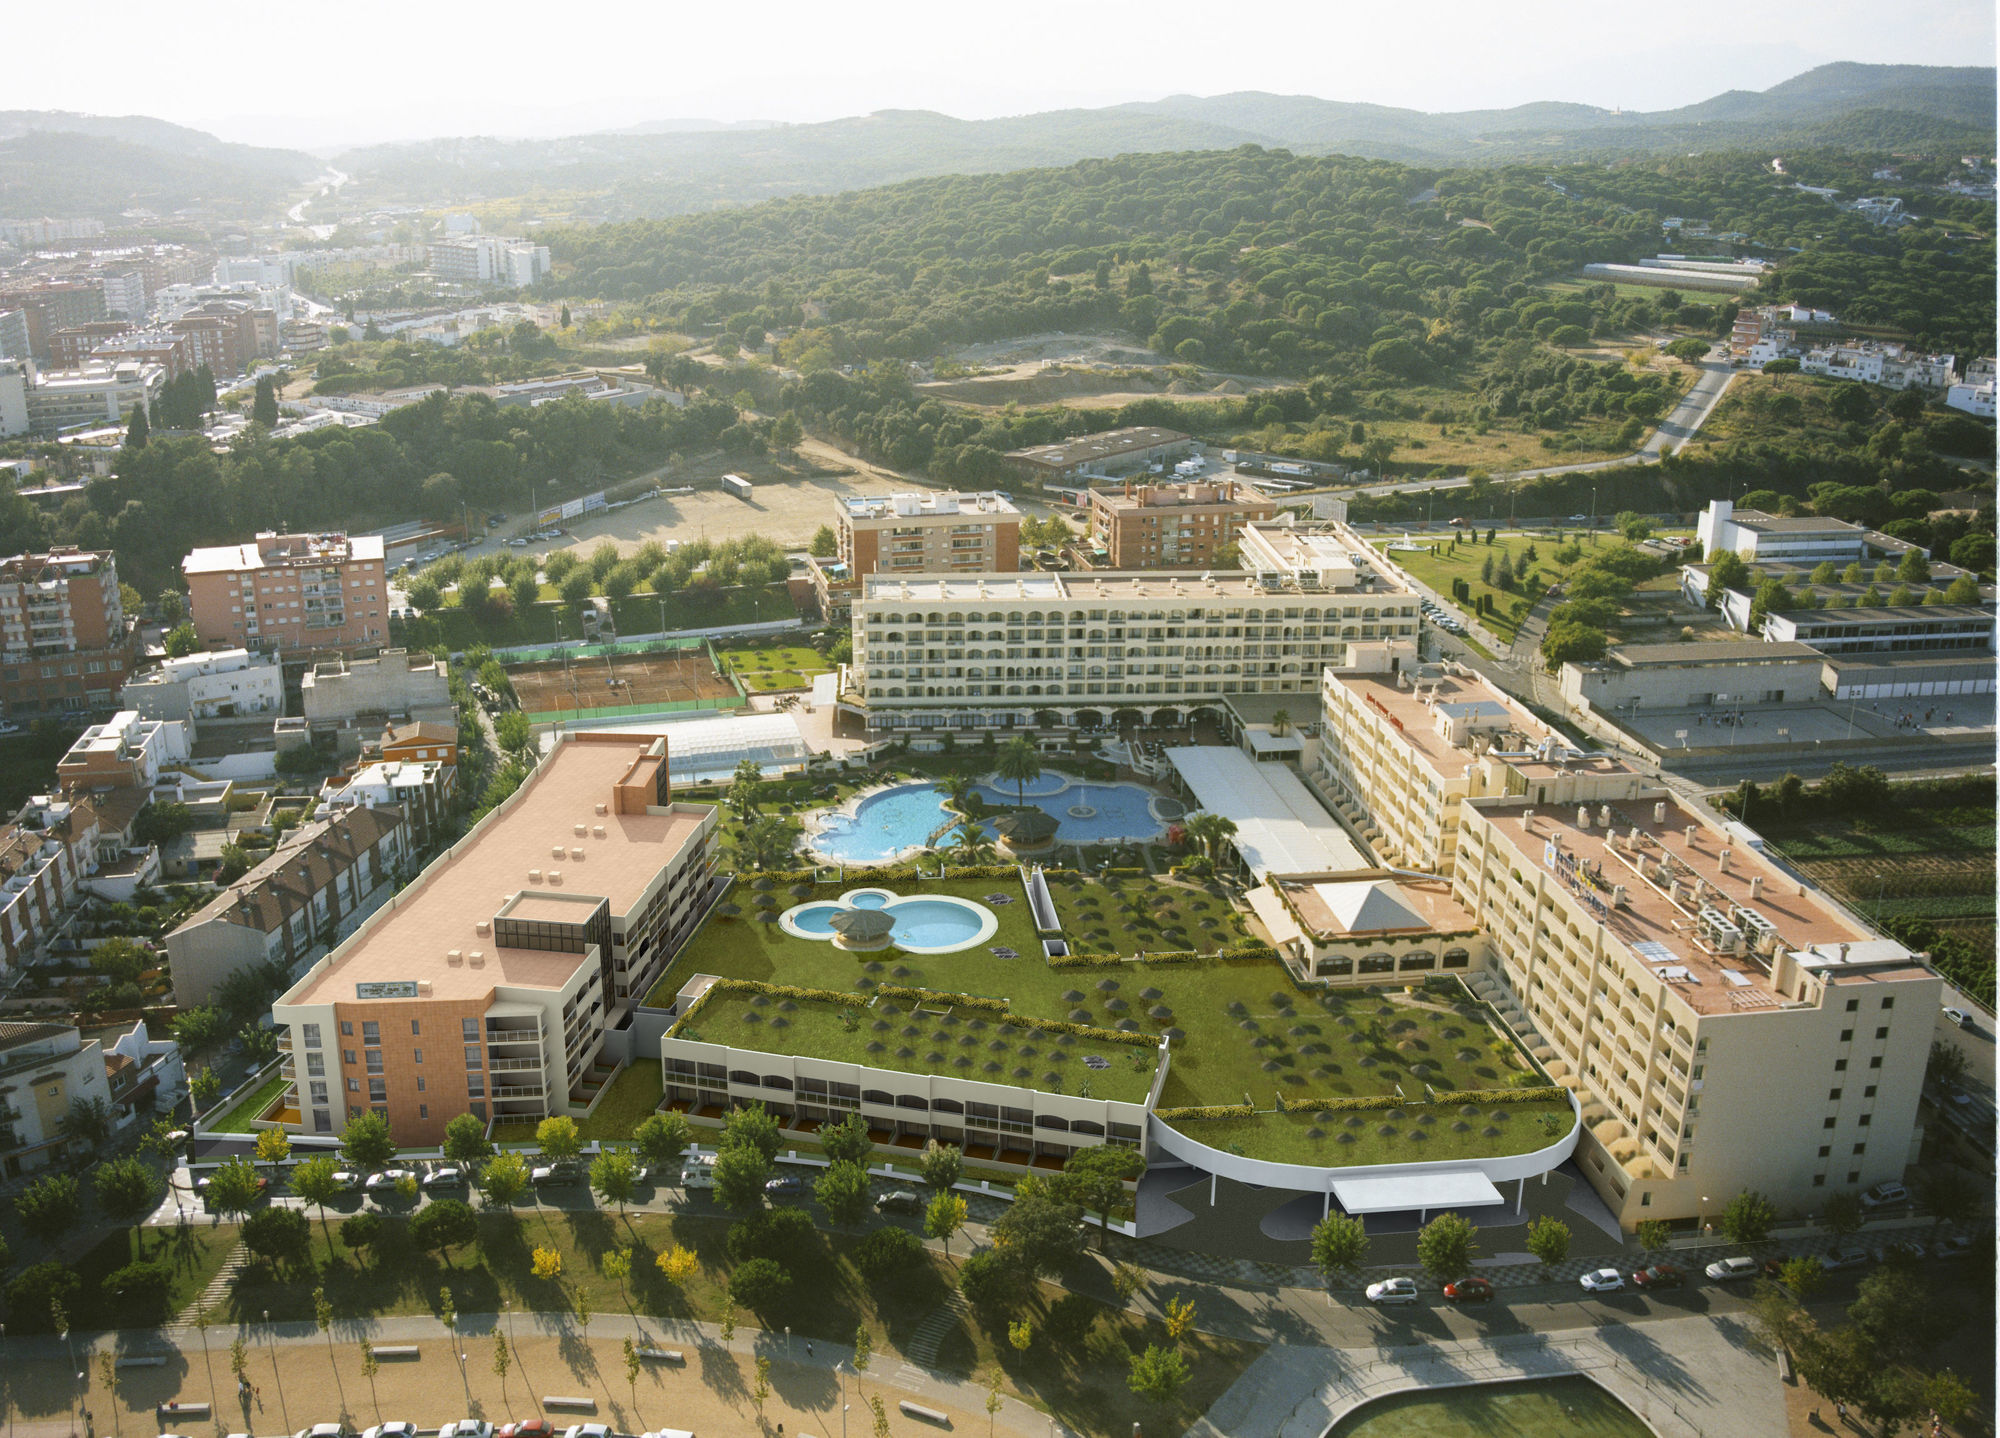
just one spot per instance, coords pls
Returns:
(1369, 906)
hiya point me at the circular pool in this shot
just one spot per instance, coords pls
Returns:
(926, 924)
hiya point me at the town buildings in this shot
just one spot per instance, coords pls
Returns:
(289, 591)
(489, 985)
(421, 789)
(313, 890)
(124, 752)
(97, 395)
(340, 693)
(490, 260)
(45, 1070)
(66, 643)
(224, 684)
(1112, 452)
(1173, 526)
(1973, 393)
(1764, 538)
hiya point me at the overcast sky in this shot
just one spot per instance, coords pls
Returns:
(364, 70)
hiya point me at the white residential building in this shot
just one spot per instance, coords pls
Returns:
(490, 260)
(45, 1069)
(1773, 538)
(220, 684)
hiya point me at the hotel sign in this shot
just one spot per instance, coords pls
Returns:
(387, 989)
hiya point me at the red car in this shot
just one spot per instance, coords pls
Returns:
(526, 1428)
(1660, 1275)
(1469, 1290)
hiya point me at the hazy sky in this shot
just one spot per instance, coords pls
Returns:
(362, 70)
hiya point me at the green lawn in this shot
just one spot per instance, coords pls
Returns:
(1437, 567)
(236, 1119)
(1418, 1134)
(193, 1254)
(635, 1093)
(1242, 1031)
(775, 667)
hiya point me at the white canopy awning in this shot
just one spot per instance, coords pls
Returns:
(1464, 1189)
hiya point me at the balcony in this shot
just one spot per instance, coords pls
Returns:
(536, 1090)
(501, 1066)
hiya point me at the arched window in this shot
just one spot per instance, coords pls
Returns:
(774, 1081)
(879, 1096)
(743, 1076)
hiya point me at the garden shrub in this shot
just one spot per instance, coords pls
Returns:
(887, 1251)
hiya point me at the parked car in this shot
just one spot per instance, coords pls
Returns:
(391, 1430)
(1658, 1275)
(527, 1428)
(1469, 1290)
(1885, 1193)
(1903, 1251)
(1835, 1258)
(1957, 1016)
(450, 1176)
(1602, 1280)
(201, 1184)
(8, 726)
(1730, 1270)
(346, 1180)
(785, 1185)
(387, 1179)
(900, 1200)
(1955, 1245)
(466, 1428)
(1393, 1290)
(698, 1174)
(588, 1430)
(552, 1173)
(325, 1430)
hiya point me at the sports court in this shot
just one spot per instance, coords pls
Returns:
(582, 680)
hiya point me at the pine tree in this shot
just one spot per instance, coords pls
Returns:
(264, 409)
(137, 432)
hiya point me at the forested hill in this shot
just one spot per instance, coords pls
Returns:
(54, 162)
(1258, 260)
(1868, 107)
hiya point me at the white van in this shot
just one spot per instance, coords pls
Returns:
(698, 1172)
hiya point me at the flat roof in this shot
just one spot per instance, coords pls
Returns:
(1412, 713)
(883, 506)
(1108, 586)
(1689, 656)
(1280, 826)
(471, 881)
(1103, 445)
(1458, 1188)
(1760, 522)
(1658, 930)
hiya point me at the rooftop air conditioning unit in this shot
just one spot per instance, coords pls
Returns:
(556, 851)
(597, 831)
(476, 959)
(534, 876)
(454, 957)
(555, 876)
(601, 808)
(484, 926)
(578, 830)
(577, 855)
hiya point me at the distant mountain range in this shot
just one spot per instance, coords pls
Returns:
(673, 167)
(55, 162)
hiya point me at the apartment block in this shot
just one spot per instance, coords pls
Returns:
(935, 652)
(124, 752)
(314, 890)
(290, 592)
(488, 985)
(51, 305)
(171, 352)
(98, 395)
(1173, 526)
(490, 260)
(66, 643)
(1799, 539)
(394, 682)
(45, 851)
(45, 1069)
(13, 395)
(915, 534)
(1110, 452)
(72, 348)
(421, 789)
(13, 334)
(224, 684)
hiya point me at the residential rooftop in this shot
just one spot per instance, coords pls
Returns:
(569, 802)
(1440, 713)
(1680, 656)
(270, 550)
(1373, 901)
(1099, 587)
(927, 506)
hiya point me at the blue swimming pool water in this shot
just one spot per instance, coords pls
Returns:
(920, 923)
(813, 919)
(886, 824)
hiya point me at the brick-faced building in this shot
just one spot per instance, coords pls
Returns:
(1173, 526)
(290, 592)
(915, 534)
(66, 643)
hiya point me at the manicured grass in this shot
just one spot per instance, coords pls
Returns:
(1138, 917)
(237, 1118)
(966, 1043)
(193, 1254)
(1437, 567)
(779, 666)
(1388, 1136)
(635, 1093)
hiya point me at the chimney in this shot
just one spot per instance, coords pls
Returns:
(1688, 832)
(1583, 816)
(1722, 861)
(1659, 813)
(1756, 885)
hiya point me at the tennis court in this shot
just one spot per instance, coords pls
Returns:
(578, 681)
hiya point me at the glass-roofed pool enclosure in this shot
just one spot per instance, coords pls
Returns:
(708, 749)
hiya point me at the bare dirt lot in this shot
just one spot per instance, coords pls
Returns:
(675, 677)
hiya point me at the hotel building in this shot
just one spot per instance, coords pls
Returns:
(1173, 525)
(487, 985)
(915, 534)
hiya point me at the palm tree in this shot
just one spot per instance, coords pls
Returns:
(1209, 830)
(1281, 722)
(957, 789)
(972, 846)
(768, 841)
(1019, 762)
(743, 788)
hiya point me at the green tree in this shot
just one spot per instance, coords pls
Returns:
(1446, 1246)
(127, 1190)
(442, 1225)
(1804, 1276)
(942, 1165)
(1842, 1214)
(1019, 762)
(264, 406)
(181, 641)
(1039, 1234)
(172, 606)
(1689, 351)
(1095, 1179)
(740, 1172)
(465, 1139)
(234, 1187)
(1653, 1234)
(1339, 1245)
(662, 1138)
(1748, 1217)
(1548, 1240)
(1915, 567)
(759, 1284)
(366, 1141)
(274, 1146)
(280, 1237)
(1725, 571)
(359, 1232)
(614, 1174)
(1158, 1374)
(317, 1182)
(825, 543)
(200, 1030)
(752, 1125)
(842, 1190)
(944, 1216)
(846, 1141)
(137, 430)
(1568, 642)
(558, 1138)
(504, 1179)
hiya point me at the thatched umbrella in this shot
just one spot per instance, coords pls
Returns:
(862, 928)
(801, 891)
(766, 916)
(1026, 828)
(765, 884)
(728, 911)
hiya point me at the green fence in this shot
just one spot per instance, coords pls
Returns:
(627, 711)
(596, 651)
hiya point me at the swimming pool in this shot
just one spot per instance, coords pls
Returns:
(924, 924)
(895, 822)
(1571, 1406)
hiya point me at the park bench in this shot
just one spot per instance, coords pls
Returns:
(395, 1350)
(142, 1361)
(587, 1405)
(663, 1355)
(929, 1415)
(183, 1410)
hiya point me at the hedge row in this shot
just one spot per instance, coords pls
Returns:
(1221, 1110)
(1549, 1094)
(926, 996)
(1248, 951)
(1365, 1103)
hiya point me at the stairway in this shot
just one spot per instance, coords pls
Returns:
(213, 1296)
(922, 1351)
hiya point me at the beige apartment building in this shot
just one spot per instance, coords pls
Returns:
(486, 985)
(915, 534)
(66, 642)
(1724, 1024)
(975, 652)
(289, 592)
(1173, 526)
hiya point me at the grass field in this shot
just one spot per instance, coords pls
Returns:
(1242, 1032)
(239, 1114)
(1074, 1371)
(193, 1255)
(1438, 566)
(776, 667)
(635, 1093)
